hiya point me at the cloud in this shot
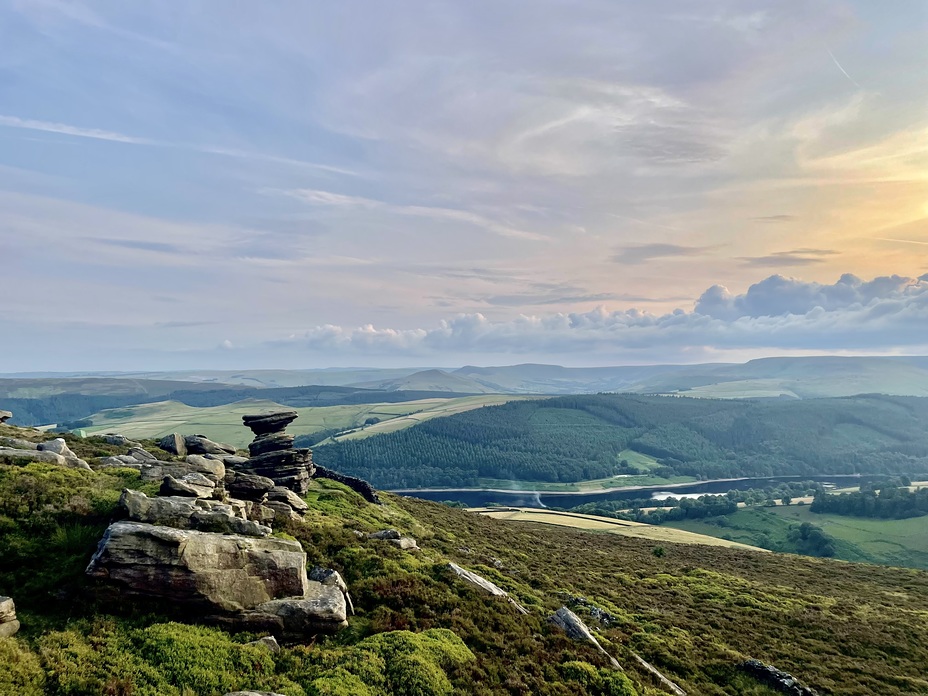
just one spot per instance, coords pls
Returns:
(886, 313)
(775, 218)
(796, 257)
(647, 252)
(142, 245)
(65, 129)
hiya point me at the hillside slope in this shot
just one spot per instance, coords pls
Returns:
(692, 612)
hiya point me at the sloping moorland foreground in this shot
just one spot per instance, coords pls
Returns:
(694, 612)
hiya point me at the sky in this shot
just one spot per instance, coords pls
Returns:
(304, 184)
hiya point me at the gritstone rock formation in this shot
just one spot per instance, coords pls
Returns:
(5, 416)
(8, 623)
(272, 452)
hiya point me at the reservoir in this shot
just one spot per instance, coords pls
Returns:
(478, 497)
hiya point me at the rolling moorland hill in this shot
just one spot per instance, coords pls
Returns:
(694, 613)
(579, 438)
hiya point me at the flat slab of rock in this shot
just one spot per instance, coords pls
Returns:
(484, 584)
(118, 440)
(200, 444)
(209, 572)
(247, 486)
(16, 443)
(213, 469)
(142, 455)
(264, 423)
(33, 455)
(191, 513)
(572, 625)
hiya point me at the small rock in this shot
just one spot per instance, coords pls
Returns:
(405, 543)
(5, 416)
(247, 486)
(9, 625)
(777, 679)
(122, 460)
(285, 495)
(142, 455)
(174, 444)
(194, 485)
(571, 624)
(384, 534)
(270, 642)
(118, 440)
(485, 585)
(200, 444)
(282, 511)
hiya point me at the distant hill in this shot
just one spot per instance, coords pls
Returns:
(434, 381)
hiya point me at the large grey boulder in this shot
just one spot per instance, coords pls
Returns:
(174, 444)
(395, 538)
(200, 444)
(213, 573)
(484, 584)
(9, 625)
(60, 447)
(191, 513)
(328, 576)
(247, 486)
(142, 455)
(571, 624)
(321, 610)
(282, 511)
(285, 495)
(5, 416)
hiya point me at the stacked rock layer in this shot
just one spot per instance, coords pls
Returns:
(273, 454)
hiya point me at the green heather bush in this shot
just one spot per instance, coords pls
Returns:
(600, 682)
(20, 670)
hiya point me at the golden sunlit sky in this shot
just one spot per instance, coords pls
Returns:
(305, 184)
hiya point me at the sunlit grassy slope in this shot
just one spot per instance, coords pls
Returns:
(224, 423)
(606, 524)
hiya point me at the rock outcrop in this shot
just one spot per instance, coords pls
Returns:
(200, 444)
(118, 440)
(485, 585)
(174, 444)
(272, 452)
(192, 513)
(5, 416)
(194, 485)
(9, 625)
(776, 679)
(333, 578)
(395, 538)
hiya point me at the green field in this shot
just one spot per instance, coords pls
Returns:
(886, 542)
(224, 423)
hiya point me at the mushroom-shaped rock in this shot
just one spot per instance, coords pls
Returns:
(200, 444)
(5, 416)
(174, 444)
(215, 573)
(264, 423)
(571, 624)
(9, 625)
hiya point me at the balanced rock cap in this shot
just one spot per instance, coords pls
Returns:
(264, 423)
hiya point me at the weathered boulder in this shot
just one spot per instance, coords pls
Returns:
(9, 625)
(282, 511)
(328, 576)
(200, 444)
(58, 446)
(264, 423)
(5, 416)
(142, 455)
(208, 572)
(194, 485)
(122, 460)
(485, 585)
(191, 513)
(571, 624)
(17, 443)
(288, 468)
(388, 534)
(174, 444)
(118, 440)
(285, 495)
(272, 442)
(321, 610)
(395, 538)
(247, 486)
(33, 455)
(213, 469)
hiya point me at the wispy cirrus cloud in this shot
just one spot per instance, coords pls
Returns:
(76, 131)
(641, 253)
(794, 257)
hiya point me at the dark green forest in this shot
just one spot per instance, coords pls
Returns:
(579, 438)
(887, 503)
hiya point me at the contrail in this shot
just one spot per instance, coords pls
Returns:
(901, 241)
(856, 84)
